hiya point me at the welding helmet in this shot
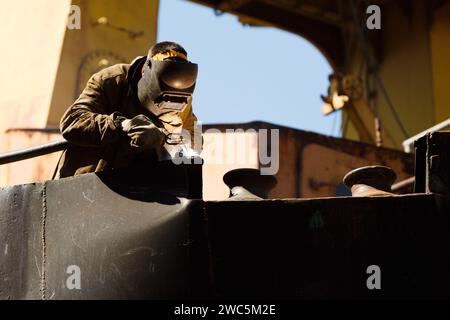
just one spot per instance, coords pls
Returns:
(167, 85)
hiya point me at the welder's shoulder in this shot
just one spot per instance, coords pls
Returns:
(116, 74)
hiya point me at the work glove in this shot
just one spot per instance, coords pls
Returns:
(143, 133)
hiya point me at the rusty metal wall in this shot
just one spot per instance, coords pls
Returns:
(313, 165)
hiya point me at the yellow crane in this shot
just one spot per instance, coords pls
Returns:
(401, 69)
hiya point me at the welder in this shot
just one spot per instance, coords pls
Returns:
(128, 112)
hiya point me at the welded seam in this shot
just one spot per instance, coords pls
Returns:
(44, 243)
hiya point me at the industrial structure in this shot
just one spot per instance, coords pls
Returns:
(308, 234)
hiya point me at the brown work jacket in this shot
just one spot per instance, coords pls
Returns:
(96, 144)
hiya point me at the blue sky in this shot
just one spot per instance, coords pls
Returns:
(249, 73)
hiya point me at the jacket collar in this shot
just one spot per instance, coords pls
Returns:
(136, 65)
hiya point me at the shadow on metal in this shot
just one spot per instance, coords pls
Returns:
(130, 245)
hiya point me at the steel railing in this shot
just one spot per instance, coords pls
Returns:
(32, 152)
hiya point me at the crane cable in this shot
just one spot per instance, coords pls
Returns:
(372, 65)
(347, 39)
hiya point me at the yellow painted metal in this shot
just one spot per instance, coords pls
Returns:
(112, 31)
(414, 46)
(31, 36)
(405, 68)
(46, 64)
(440, 53)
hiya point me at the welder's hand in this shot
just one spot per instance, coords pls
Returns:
(140, 120)
(143, 133)
(146, 137)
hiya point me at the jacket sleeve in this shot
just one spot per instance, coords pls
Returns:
(90, 120)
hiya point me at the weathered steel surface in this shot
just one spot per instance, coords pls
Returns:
(125, 248)
(20, 241)
(138, 240)
(321, 248)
